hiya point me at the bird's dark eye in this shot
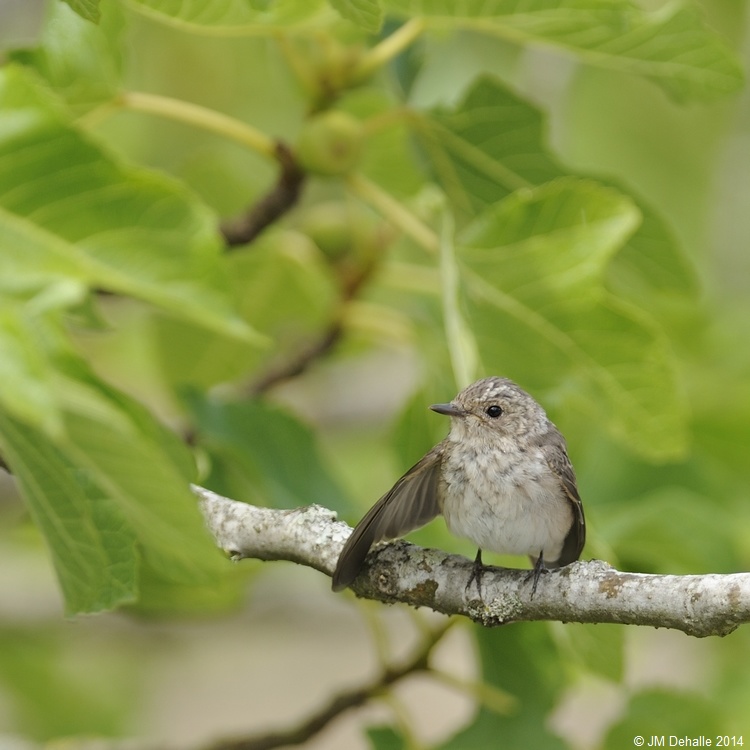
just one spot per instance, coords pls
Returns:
(493, 411)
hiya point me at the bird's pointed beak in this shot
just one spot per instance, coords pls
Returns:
(450, 410)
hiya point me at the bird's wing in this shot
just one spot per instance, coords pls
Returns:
(556, 455)
(409, 504)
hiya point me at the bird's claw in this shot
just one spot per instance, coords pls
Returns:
(536, 572)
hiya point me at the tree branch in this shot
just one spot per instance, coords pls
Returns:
(272, 206)
(299, 363)
(304, 359)
(594, 592)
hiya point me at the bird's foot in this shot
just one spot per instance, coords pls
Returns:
(477, 571)
(536, 572)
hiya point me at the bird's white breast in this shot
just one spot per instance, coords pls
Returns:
(506, 501)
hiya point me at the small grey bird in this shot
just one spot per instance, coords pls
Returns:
(501, 478)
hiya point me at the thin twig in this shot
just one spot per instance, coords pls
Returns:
(418, 662)
(272, 206)
(300, 363)
(196, 116)
(394, 211)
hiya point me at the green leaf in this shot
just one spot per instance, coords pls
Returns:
(92, 547)
(417, 431)
(158, 597)
(651, 266)
(27, 392)
(493, 143)
(147, 471)
(112, 488)
(285, 291)
(671, 46)
(388, 156)
(365, 13)
(533, 271)
(79, 60)
(551, 242)
(723, 414)
(689, 716)
(521, 662)
(635, 528)
(98, 222)
(598, 649)
(220, 15)
(49, 700)
(488, 145)
(385, 738)
(88, 9)
(267, 455)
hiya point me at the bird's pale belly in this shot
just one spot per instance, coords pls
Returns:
(508, 511)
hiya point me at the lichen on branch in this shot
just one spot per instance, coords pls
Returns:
(587, 592)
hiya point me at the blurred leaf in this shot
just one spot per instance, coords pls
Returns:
(97, 221)
(57, 693)
(252, 17)
(489, 145)
(274, 457)
(91, 544)
(550, 244)
(521, 662)
(493, 143)
(114, 477)
(160, 598)
(147, 471)
(385, 738)
(651, 265)
(88, 9)
(671, 46)
(417, 430)
(283, 290)
(721, 428)
(732, 684)
(79, 60)
(656, 713)
(719, 374)
(596, 648)
(533, 270)
(27, 377)
(671, 530)
(365, 13)
(388, 157)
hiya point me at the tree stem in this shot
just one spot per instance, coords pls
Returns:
(389, 48)
(201, 117)
(394, 211)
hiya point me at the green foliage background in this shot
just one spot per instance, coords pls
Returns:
(552, 191)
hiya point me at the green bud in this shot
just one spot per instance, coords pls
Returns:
(329, 226)
(330, 143)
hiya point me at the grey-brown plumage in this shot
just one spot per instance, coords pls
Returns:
(501, 478)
